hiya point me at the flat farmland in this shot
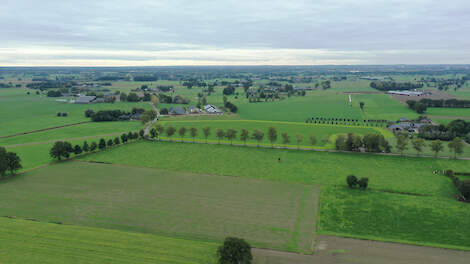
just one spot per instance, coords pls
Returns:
(320, 131)
(176, 204)
(33, 112)
(382, 106)
(24, 241)
(298, 109)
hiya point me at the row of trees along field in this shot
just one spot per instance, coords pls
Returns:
(418, 144)
(231, 134)
(9, 161)
(64, 149)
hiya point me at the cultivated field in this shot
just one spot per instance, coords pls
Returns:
(191, 206)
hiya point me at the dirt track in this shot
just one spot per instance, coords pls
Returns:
(340, 250)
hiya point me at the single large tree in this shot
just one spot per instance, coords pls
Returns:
(272, 135)
(86, 147)
(220, 134)
(93, 146)
(160, 129)
(231, 134)
(13, 162)
(153, 133)
(170, 131)
(234, 251)
(77, 150)
(456, 145)
(182, 132)
(285, 138)
(313, 140)
(298, 138)
(258, 135)
(193, 132)
(61, 149)
(102, 144)
(3, 161)
(244, 135)
(402, 142)
(206, 131)
(436, 147)
(418, 145)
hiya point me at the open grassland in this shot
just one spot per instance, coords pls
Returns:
(320, 131)
(382, 106)
(455, 113)
(24, 241)
(33, 112)
(402, 185)
(427, 220)
(192, 206)
(77, 131)
(404, 174)
(298, 109)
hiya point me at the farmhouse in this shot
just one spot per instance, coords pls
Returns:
(211, 109)
(85, 99)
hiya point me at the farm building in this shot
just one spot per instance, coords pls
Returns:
(194, 110)
(406, 93)
(299, 88)
(212, 109)
(177, 111)
(85, 99)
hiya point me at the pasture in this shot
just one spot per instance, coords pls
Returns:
(396, 184)
(33, 112)
(322, 132)
(38, 242)
(176, 204)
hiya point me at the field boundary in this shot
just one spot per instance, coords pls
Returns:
(44, 129)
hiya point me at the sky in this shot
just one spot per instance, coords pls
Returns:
(226, 32)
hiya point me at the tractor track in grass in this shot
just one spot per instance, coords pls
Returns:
(44, 129)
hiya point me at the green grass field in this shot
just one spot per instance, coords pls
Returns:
(176, 204)
(33, 112)
(24, 241)
(320, 131)
(388, 176)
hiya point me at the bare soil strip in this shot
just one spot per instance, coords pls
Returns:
(44, 129)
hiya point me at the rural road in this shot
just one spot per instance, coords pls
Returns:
(150, 124)
(339, 250)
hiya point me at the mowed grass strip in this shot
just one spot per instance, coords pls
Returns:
(191, 206)
(24, 241)
(320, 131)
(394, 173)
(424, 220)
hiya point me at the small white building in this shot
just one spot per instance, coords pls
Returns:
(212, 109)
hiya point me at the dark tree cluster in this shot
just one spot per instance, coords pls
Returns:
(145, 78)
(353, 182)
(463, 186)
(457, 128)
(54, 93)
(113, 115)
(419, 107)
(51, 84)
(234, 251)
(395, 86)
(449, 103)
(168, 99)
(370, 143)
(230, 106)
(9, 161)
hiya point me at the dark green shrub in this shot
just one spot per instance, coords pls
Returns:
(352, 181)
(363, 182)
(234, 251)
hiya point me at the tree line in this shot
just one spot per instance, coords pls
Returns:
(113, 115)
(456, 145)
(456, 128)
(65, 149)
(449, 103)
(9, 161)
(369, 143)
(395, 86)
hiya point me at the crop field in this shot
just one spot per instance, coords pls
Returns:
(33, 112)
(200, 207)
(37, 242)
(320, 131)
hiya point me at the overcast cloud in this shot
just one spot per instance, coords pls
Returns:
(181, 32)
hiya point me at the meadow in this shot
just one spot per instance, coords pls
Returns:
(322, 132)
(25, 241)
(176, 204)
(33, 112)
(396, 184)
